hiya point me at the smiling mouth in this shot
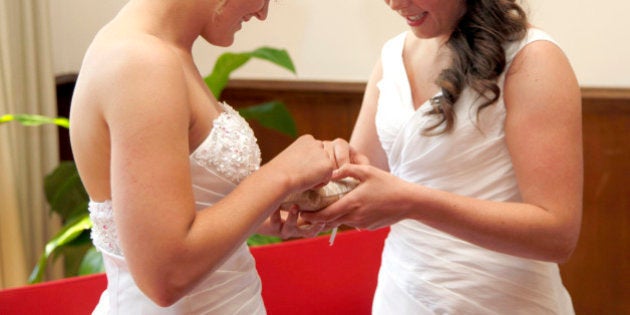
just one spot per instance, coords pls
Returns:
(414, 18)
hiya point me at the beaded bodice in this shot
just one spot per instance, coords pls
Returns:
(228, 154)
(230, 150)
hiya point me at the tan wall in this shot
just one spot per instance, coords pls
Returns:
(332, 40)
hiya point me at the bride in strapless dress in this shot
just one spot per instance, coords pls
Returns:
(224, 158)
(175, 177)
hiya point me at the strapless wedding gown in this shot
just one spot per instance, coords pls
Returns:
(227, 155)
(427, 271)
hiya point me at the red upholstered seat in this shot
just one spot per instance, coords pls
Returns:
(298, 277)
(311, 277)
(69, 296)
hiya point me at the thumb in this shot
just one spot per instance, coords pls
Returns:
(358, 172)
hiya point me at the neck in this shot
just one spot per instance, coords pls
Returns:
(429, 48)
(175, 21)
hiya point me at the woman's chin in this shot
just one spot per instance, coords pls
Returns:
(223, 42)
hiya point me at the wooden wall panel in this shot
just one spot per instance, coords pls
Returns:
(325, 110)
(598, 274)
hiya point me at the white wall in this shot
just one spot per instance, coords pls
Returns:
(339, 40)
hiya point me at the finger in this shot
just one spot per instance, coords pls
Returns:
(342, 152)
(311, 230)
(322, 216)
(358, 172)
(302, 222)
(312, 217)
(290, 228)
(320, 143)
(358, 158)
(293, 215)
(275, 219)
(341, 220)
(329, 148)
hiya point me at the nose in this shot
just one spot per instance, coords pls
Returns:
(262, 13)
(397, 4)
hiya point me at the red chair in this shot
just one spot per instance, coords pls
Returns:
(77, 295)
(311, 277)
(298, 277)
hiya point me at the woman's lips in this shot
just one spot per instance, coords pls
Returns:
(415, 20)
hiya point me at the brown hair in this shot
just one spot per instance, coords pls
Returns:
(478, 56)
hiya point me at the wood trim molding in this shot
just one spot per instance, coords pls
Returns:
(294, 85)
(359, 87)
(606, 93)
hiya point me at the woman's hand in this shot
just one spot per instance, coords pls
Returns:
(313, 168)
(309, 163)
(289, 224)
(376, 202)
(304, 164)
(342, 153)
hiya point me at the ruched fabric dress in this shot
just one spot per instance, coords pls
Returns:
(426, 271)
(227, 155)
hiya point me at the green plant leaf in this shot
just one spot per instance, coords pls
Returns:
(65, 192)
(35, 120)
(223, 67)
(273, 115)
(68, 233)
(229, 61)
(73, 253)
(279, 57)
(259, 239)
(92, 263)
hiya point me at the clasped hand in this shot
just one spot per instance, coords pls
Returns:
(375, 203)
(291, 223)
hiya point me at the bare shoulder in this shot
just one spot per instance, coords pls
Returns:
(129, 84)
(131, 72)
(128, 57)
(542, 74)
(541, 66)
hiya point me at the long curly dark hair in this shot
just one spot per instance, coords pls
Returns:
(478, 56)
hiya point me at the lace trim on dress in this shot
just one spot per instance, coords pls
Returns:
(104, 235)
(232, 148)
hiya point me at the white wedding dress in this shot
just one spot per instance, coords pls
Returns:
(424, 270)
(227, 155)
